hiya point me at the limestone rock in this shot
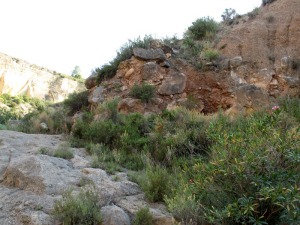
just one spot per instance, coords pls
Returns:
(114, 215)
(129, 73)
(18, 77)
(149, 70)
(30, 182)
(150, 54)
(132, 204)
(175, 83)
(128, 105)
(236, 61)
(91, 81)
(96, 95)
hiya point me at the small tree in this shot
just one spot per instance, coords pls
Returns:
(76, 73)
(228, 15)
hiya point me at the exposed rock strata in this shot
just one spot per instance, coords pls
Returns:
(18, 77)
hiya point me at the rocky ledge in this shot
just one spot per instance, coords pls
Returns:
(31, 182)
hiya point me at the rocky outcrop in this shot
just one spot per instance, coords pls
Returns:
(18, 77)
(259, 62)
(31, 183)
(268, 38)
(149, 54)
(91, 81)
(175, 83)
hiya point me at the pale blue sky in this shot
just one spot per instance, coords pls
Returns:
(60, 34)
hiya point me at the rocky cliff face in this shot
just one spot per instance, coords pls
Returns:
(259, 62)
(18, 77)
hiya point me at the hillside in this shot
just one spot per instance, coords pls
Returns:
(258, 62)
(199, 131)
(18, 77)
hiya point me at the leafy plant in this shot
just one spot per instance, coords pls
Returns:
(77, 101)
(202, 28)
(145, 92)
(82, 209)
(143, 217)
(155, 183)
(228, 16)
(63, 152)
(211, 54)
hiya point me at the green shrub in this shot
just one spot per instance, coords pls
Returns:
(211, 55)
(252, 174)
(3, 127)
(77, 101)
(155, 183)
(291, 106)
(53, 117)
(78, 210)
(145, 92)
(202, 28)
(7, 114)
(63, 152)
(143, 217)
(185, 208)
(228, 16)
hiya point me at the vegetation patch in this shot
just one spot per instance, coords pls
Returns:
(143, 217)
(145, 92)
(82, 209)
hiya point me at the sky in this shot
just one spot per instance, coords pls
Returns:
(61, 34)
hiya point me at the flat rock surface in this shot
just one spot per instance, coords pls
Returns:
(31, 182)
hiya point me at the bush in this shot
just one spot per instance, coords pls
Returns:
(53, 117)
(3, 127)
(143, 217)
(63, 153)
(228, 16)
(155, 183)
(191, 49)
(78, 210)
(211, 55)
(77, 101)
(202, 28)
(145, 92)
(252, 173)
(7, 114)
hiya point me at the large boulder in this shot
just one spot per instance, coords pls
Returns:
(114, 215)
(149, 70)
(149, 54)
(129, 105)
(175, 83)
(96, 95)
(91, 81)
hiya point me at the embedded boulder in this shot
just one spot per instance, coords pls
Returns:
(114, 215)
(91, 81)
(96, 95)
(149, 54)
(129, 105)
(149, 70)
(175, 83)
